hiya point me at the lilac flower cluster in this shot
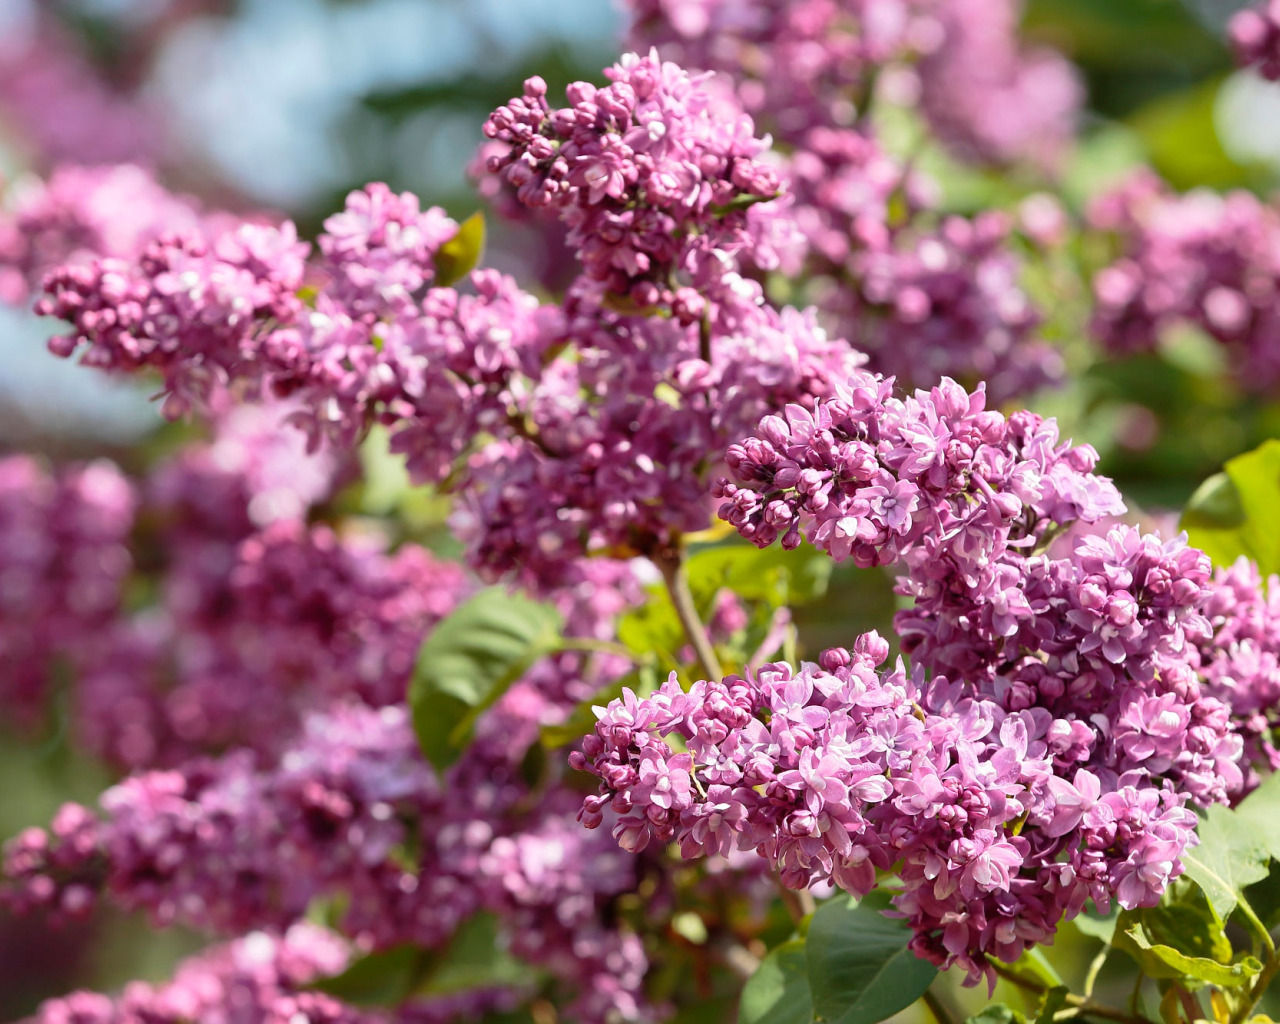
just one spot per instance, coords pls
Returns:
(192, 309)
(1255, 37)
(352, 810)
(81, 213)
(800, 64)
(933, 476)
(300, 617)
(992, 100)
(834, 771)
(1055, 725)
(652, 175)
(620, 457)
(63, 109)
(924, 299)
(63, 561)
(1240, 664)
(603, 451)
(260, 977)
(1203, 259)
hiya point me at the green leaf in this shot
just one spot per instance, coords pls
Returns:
(460, 255)
(475, 958)
(386, 978)
(1034, 964)
(1098, 927)
(470, 660)
(778, 992)
(1231, 855)
(860, 969)
(773, 575)
(1237, 512)
(1167, 962)
(1180, 135)
(997, 1013)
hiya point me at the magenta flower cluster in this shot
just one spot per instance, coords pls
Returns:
(1202, 259)
(834, 771)
(1055, 725)
(652, 174)
(1255, 37)
(64, 557)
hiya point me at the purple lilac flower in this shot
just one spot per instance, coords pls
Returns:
(1203, 259)
(63, 563)
(651, 173)
(260, 977)
(1255, 37)
(933, 476)
(1240, 662)
(191, 309)
(991, 100)
(81, 213)
(833, 771)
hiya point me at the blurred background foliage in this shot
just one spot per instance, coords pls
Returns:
(288, 104)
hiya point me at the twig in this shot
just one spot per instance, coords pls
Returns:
(799, 902)
(941, 1013)
(1083, 1007)
(671, 565)
(1091, 978)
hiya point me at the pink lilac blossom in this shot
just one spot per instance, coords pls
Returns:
(300, 617)
(653, 175)
(191, 309)
(880, 479)
(801, 64)
(261, 977)
(352, 809)
(63, 561)
(1208, 260)
(1255, 37)
(64, 109)
(1062, 726)
(81, 213)
(834, 771)
(990, 99)
(1240, 663)
(620, 449)
(796, 64)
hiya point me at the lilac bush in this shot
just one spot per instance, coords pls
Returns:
(448, 651)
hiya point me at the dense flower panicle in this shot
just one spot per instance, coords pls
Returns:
(802, 64)
(833, 771)
(1105, 640)
(1240, 662)
(437, 375)
(381, 248)
(990, 99)
(933, 476)
(190, 309)
(63, 561)
(352, 809)
(1255, 36)
(81, 213)
(624, 437)
(947, 302)
(652, 174)
(259, 978)
(62, 108)
(302, 616)
(1204, 259)
(797, 64)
